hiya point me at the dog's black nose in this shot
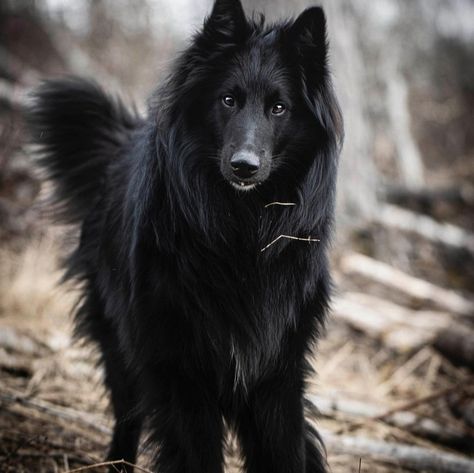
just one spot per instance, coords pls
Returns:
(244, 164)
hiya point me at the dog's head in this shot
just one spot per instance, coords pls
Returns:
(259, 96)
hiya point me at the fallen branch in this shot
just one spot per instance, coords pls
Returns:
(425, 227)
(108, 463)
(408, 456)
(460, 387)
(398, 327)
(400, 417)
(404, 329)
(55, 411)
(461, 194)
(418, 289)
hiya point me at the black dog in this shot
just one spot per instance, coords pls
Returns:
(202, 307)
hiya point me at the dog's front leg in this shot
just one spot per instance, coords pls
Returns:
(272, 429)
(186, 424)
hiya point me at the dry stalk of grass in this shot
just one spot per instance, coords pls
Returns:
(289, 237)
(108, 463)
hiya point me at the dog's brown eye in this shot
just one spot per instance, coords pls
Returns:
(228, 100)
(278, 109)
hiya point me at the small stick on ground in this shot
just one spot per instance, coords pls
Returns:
(109, 463)
(407, 421)
(459, 387)
(289, 237)
(54, 411)
(408, 406)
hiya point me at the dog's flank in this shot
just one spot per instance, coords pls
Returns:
(196, 286)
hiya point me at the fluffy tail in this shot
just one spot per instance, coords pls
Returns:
(79, 130)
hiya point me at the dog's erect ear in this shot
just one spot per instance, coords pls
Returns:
(308, 34)
(310, 27)
(227, 22)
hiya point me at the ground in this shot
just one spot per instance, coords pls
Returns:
(54, 413)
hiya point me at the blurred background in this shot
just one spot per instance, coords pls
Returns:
(395, 385)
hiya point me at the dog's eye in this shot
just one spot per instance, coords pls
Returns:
(228, 100)
(278, 108)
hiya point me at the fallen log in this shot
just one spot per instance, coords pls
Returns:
(404, 455)
(403, 419)
(398, 327)
(425, 227)
(419, 290)
(55, 411)
(401, 195)
(404, 329)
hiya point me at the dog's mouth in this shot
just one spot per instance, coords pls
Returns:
(243, 186)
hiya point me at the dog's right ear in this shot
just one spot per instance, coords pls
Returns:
(227, 23)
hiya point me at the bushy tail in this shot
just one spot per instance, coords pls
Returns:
(79, 130)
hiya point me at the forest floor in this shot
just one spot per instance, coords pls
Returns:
(54, 414)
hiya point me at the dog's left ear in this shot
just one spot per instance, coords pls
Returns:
(308, 37)
(308, 34)
(227, 23)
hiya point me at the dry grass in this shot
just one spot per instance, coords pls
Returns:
(29, 282)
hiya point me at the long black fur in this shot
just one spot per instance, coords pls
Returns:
(195, 323)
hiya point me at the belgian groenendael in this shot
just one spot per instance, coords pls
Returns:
(202, 306)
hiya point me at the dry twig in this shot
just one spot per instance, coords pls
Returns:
(289, 237)
(408, 406)
(109, 463)
(52, 410)
(421, 426)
